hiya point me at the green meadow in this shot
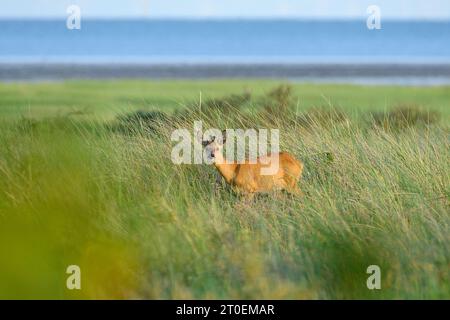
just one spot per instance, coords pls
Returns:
(86, 179)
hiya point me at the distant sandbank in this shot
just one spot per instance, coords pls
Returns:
(402, 74)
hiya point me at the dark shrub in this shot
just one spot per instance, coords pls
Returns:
(234, 101)
(226, 109)
(278, 100)
(404, 116)
(141, 120)
(323, 117)
(277, 105)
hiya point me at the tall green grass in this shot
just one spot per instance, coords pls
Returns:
(111, 201)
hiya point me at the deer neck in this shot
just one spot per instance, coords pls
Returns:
(226, 169)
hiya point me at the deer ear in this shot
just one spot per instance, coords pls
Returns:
(224, 136)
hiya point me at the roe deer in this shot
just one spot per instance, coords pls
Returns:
(246, 178)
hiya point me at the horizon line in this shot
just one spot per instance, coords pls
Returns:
(225, 18)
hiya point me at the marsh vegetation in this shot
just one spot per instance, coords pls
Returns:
(99, 190)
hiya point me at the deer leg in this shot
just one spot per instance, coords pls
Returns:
(295, 190)
(248, 197)
(218, 183)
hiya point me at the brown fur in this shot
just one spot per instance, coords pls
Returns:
(247, 177)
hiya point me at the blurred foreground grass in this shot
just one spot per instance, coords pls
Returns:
(101, 192)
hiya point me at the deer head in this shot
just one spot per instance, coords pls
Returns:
(213, 145)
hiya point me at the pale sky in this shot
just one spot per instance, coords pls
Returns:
(390, 9)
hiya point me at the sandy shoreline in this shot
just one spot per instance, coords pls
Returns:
(423, 74)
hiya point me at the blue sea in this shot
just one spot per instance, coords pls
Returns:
(224, 41)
